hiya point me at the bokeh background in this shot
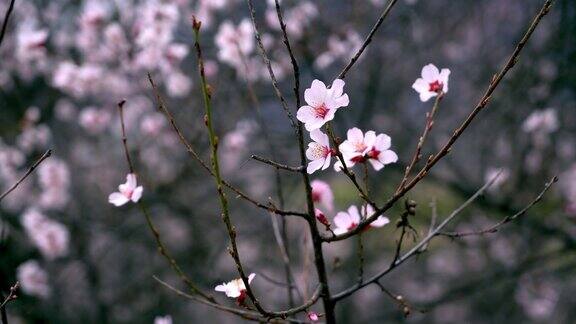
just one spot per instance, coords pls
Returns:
(65, 64)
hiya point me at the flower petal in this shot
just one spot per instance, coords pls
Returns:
(430, 73)
(117, 199)
(316, 94)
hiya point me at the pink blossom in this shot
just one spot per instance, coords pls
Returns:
(94, 120)
(542, 121)
(33, 279)
(322, 194)
(50, 237)
(152, 124)
(432, 82)
(319, 152)
(31, 44)
(234, 41)
(346, 221)
(322, 103)
(128, 191)
(235, 288)
(369, 147)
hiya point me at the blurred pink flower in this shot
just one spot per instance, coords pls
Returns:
(322, 194)
(319, 152)
(322, 103)
(33, 279)
(128, 191)
(360, 147)
(234, 42)
(432, 82)
(50, 237)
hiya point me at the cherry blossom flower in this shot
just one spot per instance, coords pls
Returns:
(322, 194)
(167, 319)
(33, 279)
(346, 221)
(369, 147)
(235, 288)
(322, 103)
(128, 191)
(319, 152)
(432, 82)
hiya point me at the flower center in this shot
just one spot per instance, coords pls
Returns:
(320, 112)
(435, 86)
(240, 299)
(373, 153)
(352, 226)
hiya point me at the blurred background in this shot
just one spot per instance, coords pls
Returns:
(65, 64)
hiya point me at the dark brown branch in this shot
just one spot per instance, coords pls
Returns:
(458, 132)
(276, 164)
(6, 18)
(398, 299)
(29, 172)
(11, 295)
(368, 39)
(494, 228)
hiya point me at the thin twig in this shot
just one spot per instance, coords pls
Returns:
(276, 164)
(233, 248)
(368, 39)
(418, 152)
(6, 18)
(494, 228)
(29, 172)
(11, 295)
(266, 59)
(457, 133)
(418, 247)
(250, 315)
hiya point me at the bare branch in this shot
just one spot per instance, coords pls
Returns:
(494, 228)
(276, 164)
(418, 247)
(368, 39)
(29, 172)
(6, 18)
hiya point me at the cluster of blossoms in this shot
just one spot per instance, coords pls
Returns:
(322, 104)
